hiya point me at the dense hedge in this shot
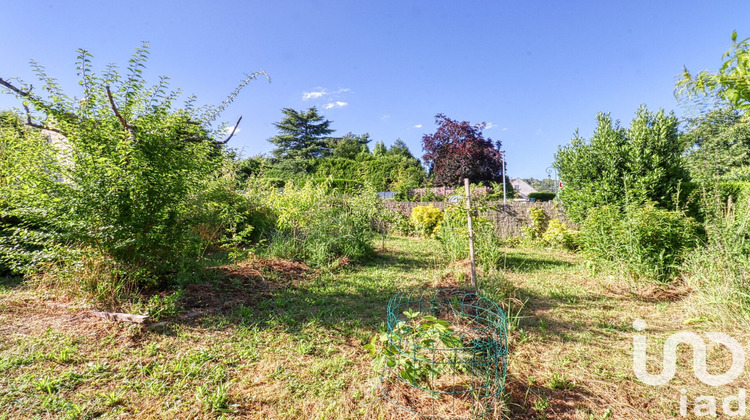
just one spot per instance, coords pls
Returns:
(542, 196)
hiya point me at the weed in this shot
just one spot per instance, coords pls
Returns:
(214, 398)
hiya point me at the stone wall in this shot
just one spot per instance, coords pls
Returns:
(508, 219)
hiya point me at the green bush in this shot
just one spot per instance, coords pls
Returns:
(317, 225)
(542, 196)
(426, 220)
(454, 238)
(643, 241)
(559, 235)
(123, 179)
(537, 224)
(720, 269)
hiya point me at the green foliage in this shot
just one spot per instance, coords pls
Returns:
(542, 196)
(454, 238)
(731, 83)
(718, 146)
(318, 225)
(301, 138)
(407, 349)
(720, 269)
(123, 174)
(622, 165)
(544, 184)
(426, 220)
(642, 241)
(559, 235)
(537, 224)
(349, 146)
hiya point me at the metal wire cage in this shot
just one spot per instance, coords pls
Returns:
(448, 354)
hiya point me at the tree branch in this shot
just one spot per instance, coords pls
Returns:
(216, 143)
(38, 103)
(39, 126)
(18, 91)
(232, 133)
(119, 116)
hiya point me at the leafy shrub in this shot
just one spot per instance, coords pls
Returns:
(426, 220)
(558, 234)
(397, 223)
(720, 269)
(318, 226)
(454, 238)
(537, 224)
(122, 178)
(404, 350)
(542, 196)
(643, 241)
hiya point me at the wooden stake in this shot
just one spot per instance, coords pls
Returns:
(471, 234)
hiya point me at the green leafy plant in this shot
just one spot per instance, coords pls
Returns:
(318, 225)
(537, 224)
(404, 349)
(120, 177)
(426, 220)
(559, 235)
(454, 238)
(643, 241)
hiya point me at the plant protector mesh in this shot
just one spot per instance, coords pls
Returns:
(447, 354)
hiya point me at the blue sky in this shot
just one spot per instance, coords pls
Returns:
(534, 71)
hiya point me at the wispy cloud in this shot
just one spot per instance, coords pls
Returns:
(418, 126)
(505, 129)
(315, 94)
(228, 130)
(320, 92)
(489, 125)
(385, 117)
(539, 132)
(337, 104)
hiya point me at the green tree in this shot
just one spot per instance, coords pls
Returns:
(731, 83)
(718, 146)
(399, 148)
(349, 146)
(123, 180)
(620, 165)
(302, 138)
(379, 149)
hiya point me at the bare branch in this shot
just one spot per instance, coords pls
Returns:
(119, 116)
(215, 143)
(38, 103)
(39, 126)
(18, 91)
(232, 133)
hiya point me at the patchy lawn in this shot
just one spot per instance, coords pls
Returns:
(274, 339)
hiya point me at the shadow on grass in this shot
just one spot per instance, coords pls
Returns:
(285, 295)
(527, 263)
(10, 282)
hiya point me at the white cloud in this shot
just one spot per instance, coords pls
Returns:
(418, 126)
(228, 130)
(337, 104)
(489, 125)
(319, 93)
(505, 129)
(385, 117)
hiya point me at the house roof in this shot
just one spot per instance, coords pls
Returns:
(522, 187)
